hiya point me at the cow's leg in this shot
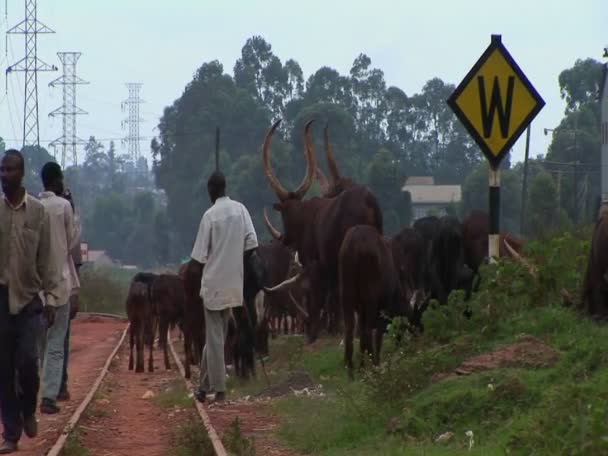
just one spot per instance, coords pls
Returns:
(379, 336)
(163, 334)
(131, 343)
(187, 353)
(363, 341)
(349, 330)
(149, 333)
(139, 345)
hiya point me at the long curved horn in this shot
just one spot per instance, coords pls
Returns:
(516, 256)
(273, 231)
(329, 153)
(310, 163)
(323, 182)
(281, 192)
(284, 284)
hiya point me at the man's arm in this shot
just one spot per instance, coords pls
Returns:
(202, 244)
(71, 230)
(47, 270)
(251, 239)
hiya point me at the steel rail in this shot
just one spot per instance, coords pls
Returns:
(218, 446)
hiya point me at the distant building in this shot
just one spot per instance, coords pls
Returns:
(430, 199)
(99, 258)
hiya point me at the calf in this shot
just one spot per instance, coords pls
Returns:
(169, 300)
(444, 268)
(241, 330)
(142, 320)
(193, 323)
(409, 257)
(367, 287)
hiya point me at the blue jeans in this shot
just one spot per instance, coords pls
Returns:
(19, 380)
(66, 358)
(54, 354)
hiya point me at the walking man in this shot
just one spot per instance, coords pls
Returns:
(226, 235)
(25, 269)
(63, 236)
(76, 254)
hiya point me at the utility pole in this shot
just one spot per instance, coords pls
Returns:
(30, 27)
(524, 190)
(132, 121)
(68, 141)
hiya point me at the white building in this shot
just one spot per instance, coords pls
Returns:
(430, 199)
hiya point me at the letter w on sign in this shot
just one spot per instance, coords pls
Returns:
(495, 102)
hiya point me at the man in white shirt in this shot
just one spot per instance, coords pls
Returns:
(63, 237)
(225, 237)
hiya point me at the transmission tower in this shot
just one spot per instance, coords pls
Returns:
(68, 110)
(132, 121)
(30, 65)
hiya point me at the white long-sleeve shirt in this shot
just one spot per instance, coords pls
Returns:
(225, 233)
(64, 235)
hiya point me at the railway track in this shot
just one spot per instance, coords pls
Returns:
(58, 447)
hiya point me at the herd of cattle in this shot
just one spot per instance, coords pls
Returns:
(331, 267)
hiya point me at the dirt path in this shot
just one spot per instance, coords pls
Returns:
(126, 419)
(92, 341)
(258, 422)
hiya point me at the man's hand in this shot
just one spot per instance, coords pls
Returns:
(49, 315)
(74, 306)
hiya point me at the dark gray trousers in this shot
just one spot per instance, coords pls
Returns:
(19, 379)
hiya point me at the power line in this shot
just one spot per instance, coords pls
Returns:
(68, 111)
(132, 122)
(30, 64)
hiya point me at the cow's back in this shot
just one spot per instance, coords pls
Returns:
(366, 267)
(355, 206)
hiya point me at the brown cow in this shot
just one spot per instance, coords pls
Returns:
(595, 285)
(169, 300)
(316, 227)
(142, 320)
(368, 287)
(475, 230)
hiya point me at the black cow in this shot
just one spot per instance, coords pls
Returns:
(444, 269)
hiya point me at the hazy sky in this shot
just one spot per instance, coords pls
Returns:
(162, 43)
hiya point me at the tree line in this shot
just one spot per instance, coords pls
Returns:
(380, 136)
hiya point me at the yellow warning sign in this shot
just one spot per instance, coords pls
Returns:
(495, 102)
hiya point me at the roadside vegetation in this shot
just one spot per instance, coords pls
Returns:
(104, 289)
(551, 399)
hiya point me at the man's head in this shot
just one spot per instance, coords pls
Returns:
(216, 186)
(52, 178)
(12, 170)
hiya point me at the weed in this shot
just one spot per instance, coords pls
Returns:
(192, 439)
(73, 446)
(236, 442)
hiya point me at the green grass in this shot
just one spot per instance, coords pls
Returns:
(104, 289)
(398, 408)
